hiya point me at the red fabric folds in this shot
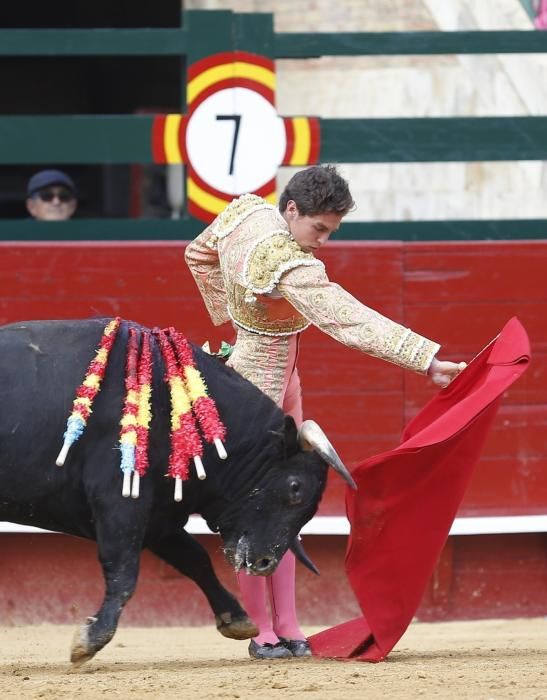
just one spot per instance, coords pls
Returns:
(407, 500)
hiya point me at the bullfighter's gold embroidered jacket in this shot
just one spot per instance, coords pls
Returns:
(250, 270)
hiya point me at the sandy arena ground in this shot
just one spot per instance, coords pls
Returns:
(462, 660)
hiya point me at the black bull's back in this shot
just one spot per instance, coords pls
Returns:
(41, 365)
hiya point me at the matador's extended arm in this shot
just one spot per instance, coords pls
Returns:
(336, 312)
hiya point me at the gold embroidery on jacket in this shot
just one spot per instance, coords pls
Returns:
(337, 313)
(235, 213)
(253, 305)
(270, 257)
(264, 315)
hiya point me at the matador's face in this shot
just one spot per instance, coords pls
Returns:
(313, 231)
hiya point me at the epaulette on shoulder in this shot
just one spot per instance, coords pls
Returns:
(235, 213)
(270, 257)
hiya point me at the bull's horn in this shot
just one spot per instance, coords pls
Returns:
(298, 550)
(311, 437)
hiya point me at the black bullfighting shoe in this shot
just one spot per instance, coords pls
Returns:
(269, 651)
(297, 647)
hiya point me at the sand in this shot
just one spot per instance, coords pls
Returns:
(463, 660)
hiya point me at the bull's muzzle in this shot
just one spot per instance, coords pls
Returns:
(262, 565)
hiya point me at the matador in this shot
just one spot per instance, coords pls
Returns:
(254, 266)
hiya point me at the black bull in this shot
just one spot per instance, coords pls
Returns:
(258, 499)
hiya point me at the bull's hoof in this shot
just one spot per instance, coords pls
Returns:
(81, 650)
(236, 628)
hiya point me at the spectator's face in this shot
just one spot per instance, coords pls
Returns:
(313, 231)
(55, 203)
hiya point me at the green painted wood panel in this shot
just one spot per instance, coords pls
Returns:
(126, 139)
(215, 25)
(254, 32)
(308, 45)
(188, 228)
(93, 42)
(456, 139)
(208, 33)
(446, 230)
(101, 230)
(203, 34)
(75, 139)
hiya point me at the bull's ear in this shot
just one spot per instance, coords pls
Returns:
(290, 432)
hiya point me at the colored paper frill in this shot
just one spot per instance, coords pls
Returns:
(82, 405)
(185, 440)
(137, 413)
(202, 404)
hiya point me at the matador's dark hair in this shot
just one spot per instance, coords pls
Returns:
(319, 189)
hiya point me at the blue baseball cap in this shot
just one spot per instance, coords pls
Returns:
(47, 178)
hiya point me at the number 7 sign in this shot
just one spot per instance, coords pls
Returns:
(232, 139)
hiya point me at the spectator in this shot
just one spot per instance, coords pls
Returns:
(51, 196)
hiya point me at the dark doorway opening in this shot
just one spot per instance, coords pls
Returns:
(66, 85)
(64, 14)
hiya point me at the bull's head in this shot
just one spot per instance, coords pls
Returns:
(267, 521)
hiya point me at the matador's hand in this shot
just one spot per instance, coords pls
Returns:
(443, 372)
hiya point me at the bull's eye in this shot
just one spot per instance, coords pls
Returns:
(295, 492)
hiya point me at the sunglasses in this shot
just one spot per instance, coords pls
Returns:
(49, 195)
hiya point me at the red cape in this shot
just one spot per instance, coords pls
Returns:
(407, 500)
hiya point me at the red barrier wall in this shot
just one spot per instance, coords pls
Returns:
(460, 294)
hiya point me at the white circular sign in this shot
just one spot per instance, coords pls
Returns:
(235, 140)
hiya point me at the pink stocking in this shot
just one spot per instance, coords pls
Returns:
(281, 585)
(253, 595)
(282, 594)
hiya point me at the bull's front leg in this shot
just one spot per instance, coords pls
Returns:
(187, 556)
(119, 549)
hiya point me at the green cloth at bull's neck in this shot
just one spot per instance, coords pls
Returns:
(224, 351)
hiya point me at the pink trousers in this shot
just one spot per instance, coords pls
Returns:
(280, 620)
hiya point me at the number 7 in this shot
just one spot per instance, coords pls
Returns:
(237, 119)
